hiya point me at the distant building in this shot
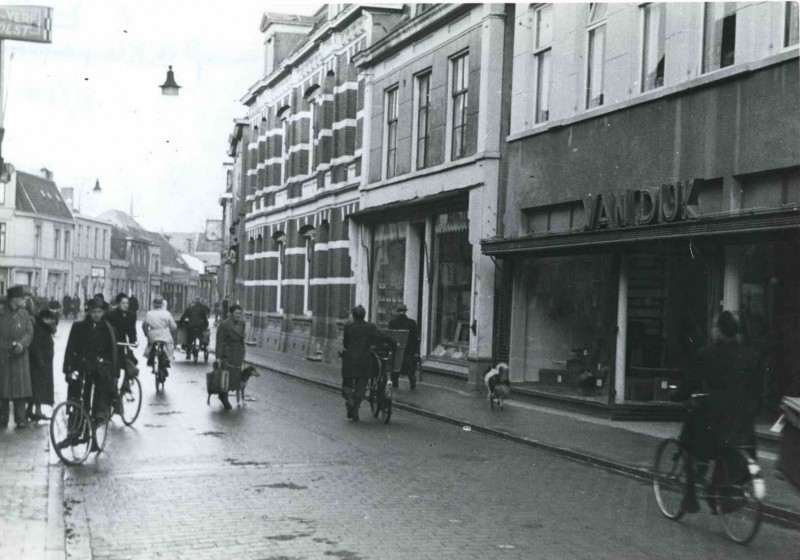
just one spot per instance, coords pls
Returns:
(205, 246)
(36, 236)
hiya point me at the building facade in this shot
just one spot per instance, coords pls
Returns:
(36, 236)
(302, 170)
(230, 283)
(653, 180)
(429, 191)
(91, 258)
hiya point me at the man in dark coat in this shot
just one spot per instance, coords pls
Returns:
(728, 372)
(123, 320)
(92, 350)
(195, 318)
(66, 306)
(409, 366)
(358, 363)
(133, 305)
(41, 364)
(16, 334)
(77, 310)
(230, 350)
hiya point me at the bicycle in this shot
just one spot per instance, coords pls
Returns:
(380, 386)
(73, 433)
(129, 401)
(160, 365)
(738, 504)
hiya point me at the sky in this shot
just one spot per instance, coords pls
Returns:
(88, 107)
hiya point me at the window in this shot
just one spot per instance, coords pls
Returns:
(719, 35)
(37, 241)
(57, 244)
(286, 148)
(67, 244)
(653, 46)
(543, 25)
(280, 240)
(2, 193)
(2, 237)
(391, 132)
(312, 137)
(389, 247)
(309, 234)
(96, 237)
(597, 55)
(460, 93)
(105, 235)
(78, 242)
(423, 109)
(791, 34)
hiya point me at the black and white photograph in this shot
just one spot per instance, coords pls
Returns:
(287, 280)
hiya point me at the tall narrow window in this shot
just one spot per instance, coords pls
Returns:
(2, 237)
(37, 241)
(719, 35)
(391, 132)
(460, 94)
(597, 56)
(423, 108)
(309, 234)
(67, 244)
(96, 238)
(286, 148)
(57, 244)
(543, 25)
(105, 253)
(653, 54)
(280, 241)
(791, 34)
(312, 137)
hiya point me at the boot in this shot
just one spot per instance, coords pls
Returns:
(223, 397)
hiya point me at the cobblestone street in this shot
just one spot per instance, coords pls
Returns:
(287, 476)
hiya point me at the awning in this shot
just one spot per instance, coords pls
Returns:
(426, 205)
(740, 224)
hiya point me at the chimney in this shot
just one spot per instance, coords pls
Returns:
(47, 174)
(68, 194)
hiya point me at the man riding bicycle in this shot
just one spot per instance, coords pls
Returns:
(195, 318)
(92, 352)
(159, 326)
(726, 372)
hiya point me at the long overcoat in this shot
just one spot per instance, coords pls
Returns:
(15, 375)
(230, 350)
(728, 371)
(41, 362)
(359, 338)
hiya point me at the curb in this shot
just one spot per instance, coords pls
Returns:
(772, 514)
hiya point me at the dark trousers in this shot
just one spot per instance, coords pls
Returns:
(106, 390)
(408, 368)
(19, 411)
(353, 390)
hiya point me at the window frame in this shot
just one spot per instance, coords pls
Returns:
(703, 25)
(455, 97)
(312, 135)
(590, 29)
(285, 125)
(418, 109)
(3, 236)
(37, 240)
(67, 243)
(785, 27)
(390, 121)
(309, 236)
(539, 56)
(643, 18)
(56, 243)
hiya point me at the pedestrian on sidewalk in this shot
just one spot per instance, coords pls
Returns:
(16, 334)
(41, 354)
(77, 309)
(358, 363)
(230, 350)
(409, 366)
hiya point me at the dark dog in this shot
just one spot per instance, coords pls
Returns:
(247, 373)
(498, 384)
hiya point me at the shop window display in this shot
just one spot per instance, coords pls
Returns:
(451, 323)
(390, 267)
(570, 315)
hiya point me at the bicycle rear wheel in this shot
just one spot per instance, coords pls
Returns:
(70, 433)
(740, 512)
(669, 478)
(131, 400)
(374, 403)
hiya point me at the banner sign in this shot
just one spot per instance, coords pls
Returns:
(26, 23)
(98, 272)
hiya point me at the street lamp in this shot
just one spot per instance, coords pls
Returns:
(170, 86)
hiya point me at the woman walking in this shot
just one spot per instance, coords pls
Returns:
(40, 356)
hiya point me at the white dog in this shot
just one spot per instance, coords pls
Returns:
(498, 384)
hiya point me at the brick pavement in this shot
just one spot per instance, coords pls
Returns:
(626, 446)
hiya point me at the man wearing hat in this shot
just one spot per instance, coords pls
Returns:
(159, 326)
(92, 350)
(16, 333)
(409, 367)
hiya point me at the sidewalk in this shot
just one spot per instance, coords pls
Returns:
(626, 447)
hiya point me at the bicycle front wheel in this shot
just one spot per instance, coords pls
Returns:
(131, 400)
(71, 433)
(374, 404)
(669, 478)
(740, 510)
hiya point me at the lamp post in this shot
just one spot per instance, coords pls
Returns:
(170, 86)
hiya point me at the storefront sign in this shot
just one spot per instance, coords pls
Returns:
(636, 207)
(98, 272)
(26, 23)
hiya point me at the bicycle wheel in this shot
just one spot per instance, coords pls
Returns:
(740, 510)
(70, 433)
(386, 411)
(669, 478)
(100, 432)
(131, 402)
(374, 405)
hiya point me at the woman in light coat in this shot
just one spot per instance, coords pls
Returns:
(159, 326)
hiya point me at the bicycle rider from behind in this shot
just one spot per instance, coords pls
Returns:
(195, 318)
(159, 326)
(727, 371)
(92, 350)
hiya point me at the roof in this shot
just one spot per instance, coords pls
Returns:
(291, 19)
(193, 242)
(40, 196)
(194, 263)
(169, 256)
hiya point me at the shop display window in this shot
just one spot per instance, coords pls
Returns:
(390, 268)
(450, 324)
(569, 324)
